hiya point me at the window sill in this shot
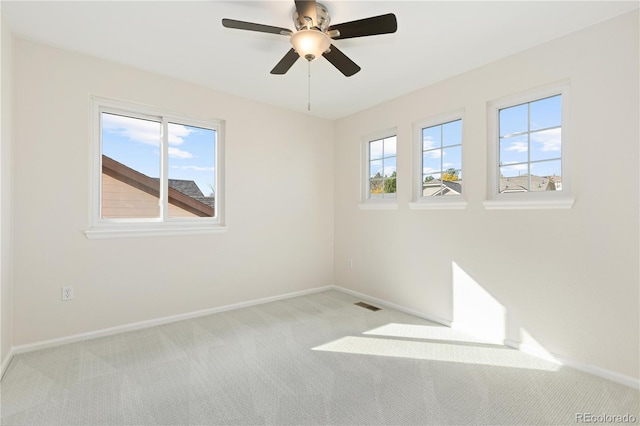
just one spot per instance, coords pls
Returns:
(562, 203)
(389, 204)
(438, 205)
(152, 231)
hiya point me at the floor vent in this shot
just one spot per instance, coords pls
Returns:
(367, 306)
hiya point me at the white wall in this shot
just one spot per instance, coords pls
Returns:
(279, 204)
(568, 278)
(6, 263)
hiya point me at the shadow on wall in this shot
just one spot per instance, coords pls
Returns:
(477, 312)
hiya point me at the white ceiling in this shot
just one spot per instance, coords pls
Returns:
(185, 40)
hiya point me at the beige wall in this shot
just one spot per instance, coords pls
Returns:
(6, 193)
(280, 236)
(568, 278)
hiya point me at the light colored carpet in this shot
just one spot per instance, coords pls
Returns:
(315, 359)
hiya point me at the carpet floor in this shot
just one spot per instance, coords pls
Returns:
(316, 359)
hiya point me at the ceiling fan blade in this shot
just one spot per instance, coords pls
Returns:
(250, 26)
(285, 63)
(307, 8)
(383, 24)
(339, 60)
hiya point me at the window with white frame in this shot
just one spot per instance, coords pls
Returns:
(527, 147)
(530, 155)
(441, 153)
(154, 172)
(381, 166)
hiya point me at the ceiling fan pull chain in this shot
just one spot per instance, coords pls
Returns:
(308, 85)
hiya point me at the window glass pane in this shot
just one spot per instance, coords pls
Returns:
(375, 169)
(514, 149)
(452, 182)
(546, 144)
(389, 166)
(450, 187)
(390, 147)
(431, 185)
(130, 167)
(546, 176)
(452, 133)
(390, 175)
(390, 184)
(376, 187)
(514, 178)
(514, 120)
(375, 149)
(452, 158)
(546, 113)
(431, 137)
(431, 161)
(191, 171)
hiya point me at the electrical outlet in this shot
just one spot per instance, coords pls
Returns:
(349, 263)
(67, 293)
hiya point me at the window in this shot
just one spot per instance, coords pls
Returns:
(154, 173)
(382, 168)
(530, 146)
(379, 159)
(438, 164)
(528, 167)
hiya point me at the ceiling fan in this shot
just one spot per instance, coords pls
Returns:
(313, 36)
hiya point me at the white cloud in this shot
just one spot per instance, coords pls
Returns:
(515, 167)
(436, 153)
(427, 143)
(143, 131)
(429, 170)
(195, 168)
(137, 130)
(177, 133)
(518, 147)
(178, 153)
(551, 140)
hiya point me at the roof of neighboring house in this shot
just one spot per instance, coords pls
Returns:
(521, 183)
(437, 187)
(198, 205)
(189, 187)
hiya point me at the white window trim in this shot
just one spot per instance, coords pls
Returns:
(100, 228)
(367, 203)
(528, 200)
(419, 202)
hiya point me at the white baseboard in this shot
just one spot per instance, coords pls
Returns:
(5, 362)
(603, 373)
(428, 317)
(159, 321)
(623, 379)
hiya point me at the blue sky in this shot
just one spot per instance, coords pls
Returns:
(136, 143)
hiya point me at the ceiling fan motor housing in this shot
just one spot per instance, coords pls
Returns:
(324, 19)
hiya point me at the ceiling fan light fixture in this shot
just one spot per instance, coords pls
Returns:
(310, 44)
